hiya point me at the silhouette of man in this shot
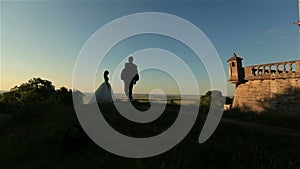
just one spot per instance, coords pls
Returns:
(130, 76)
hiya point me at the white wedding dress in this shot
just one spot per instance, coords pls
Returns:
(104, 94)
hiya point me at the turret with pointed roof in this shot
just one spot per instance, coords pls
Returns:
(235, 70)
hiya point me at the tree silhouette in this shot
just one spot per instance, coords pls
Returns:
(206, 99)
(62, 96)
(34, 91)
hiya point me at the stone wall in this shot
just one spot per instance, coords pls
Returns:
(278, 94)
(266, 87)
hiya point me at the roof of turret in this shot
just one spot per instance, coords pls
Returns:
(234, 57)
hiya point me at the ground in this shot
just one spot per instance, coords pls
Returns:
(40, 142)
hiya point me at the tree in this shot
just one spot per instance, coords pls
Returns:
(219, 100)
(78, 97)
(62, 96)
(37, 95)
(34, 91)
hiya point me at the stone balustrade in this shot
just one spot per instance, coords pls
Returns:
(289, 69)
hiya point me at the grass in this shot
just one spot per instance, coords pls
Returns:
(279, 119)
(37, 142)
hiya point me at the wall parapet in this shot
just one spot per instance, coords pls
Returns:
(278, 70)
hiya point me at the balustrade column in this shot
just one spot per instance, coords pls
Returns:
(291, 68)
(284, 68)
(297, 66)
(253, 71)
(277, 68)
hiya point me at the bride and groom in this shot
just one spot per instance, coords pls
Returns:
(129, 75)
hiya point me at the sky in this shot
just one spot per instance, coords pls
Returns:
(44, 39)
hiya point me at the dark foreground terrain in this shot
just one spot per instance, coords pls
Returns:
(46, 139)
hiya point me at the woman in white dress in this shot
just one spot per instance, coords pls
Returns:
(104, 93)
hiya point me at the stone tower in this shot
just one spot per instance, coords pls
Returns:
(236, 70)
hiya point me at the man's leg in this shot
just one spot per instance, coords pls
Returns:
(130, 91)
(126, 88)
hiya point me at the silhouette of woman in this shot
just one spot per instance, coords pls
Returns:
(104, 93)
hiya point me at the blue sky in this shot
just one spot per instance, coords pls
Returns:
(43, 38)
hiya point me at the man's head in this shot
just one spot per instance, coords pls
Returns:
(130, 59)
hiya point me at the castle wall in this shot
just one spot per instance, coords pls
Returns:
(282, 95)
(266, 87)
